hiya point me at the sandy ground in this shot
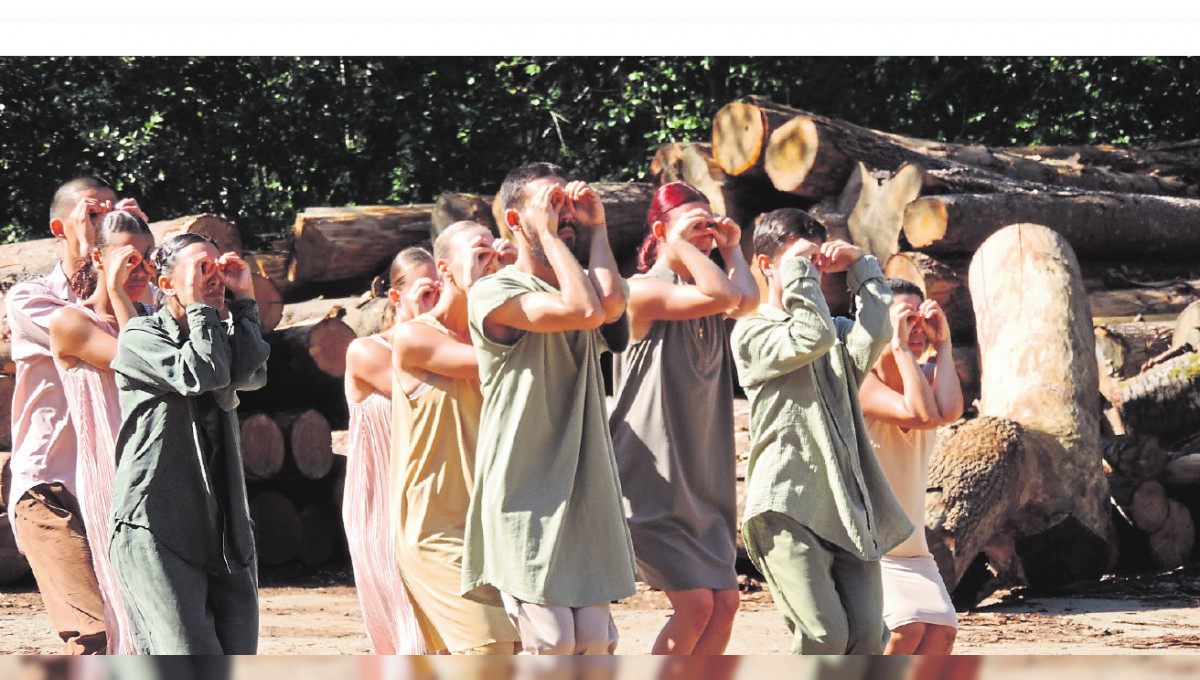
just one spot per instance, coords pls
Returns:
(319, 614)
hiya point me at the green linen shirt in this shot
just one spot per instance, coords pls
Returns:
(810, 456)
(546, 524)
(179, 462)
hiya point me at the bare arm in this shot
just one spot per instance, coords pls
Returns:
(602, 266)
(368, 369)
(74, 336)
(420, 347)
(116, 273)
(946, 388)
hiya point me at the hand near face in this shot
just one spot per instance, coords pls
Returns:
(689, 225)
(726, 232)
(544, 209)
(422, 295)
(131, 205)
(235, 274)
(84, 221)
(506, 252)
(584, 205)
(197, 271)
(837, 256)
(801, 248)
(937, 327)
(482, 259)
(119, 264)
(903, 316)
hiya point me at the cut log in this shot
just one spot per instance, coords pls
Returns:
(363, 314)
(1142, 502)
(1045, 517)
(321, 535)
(804, 158)
(1124, 348)
(741, 131)
(273, 264)
(1136, 457)
(277, 527)
(1171, 546)
(27, 259)
(263, 451)
(223, 232)
(878, 215)
(309, 442)
(315, 349)
(1184, 469)
(1187, 327)
(452, 207)
(1164, 401)
(1144, 302)
(966, 364)
(1098, 226)
(337, 244)
(13, 565)
(693, 163)
(270, 302)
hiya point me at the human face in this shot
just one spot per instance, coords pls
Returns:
(418, 293)
(917, 341)
(214, 290)
(143, 272)
(703, 235)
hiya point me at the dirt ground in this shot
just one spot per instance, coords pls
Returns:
(319, 614)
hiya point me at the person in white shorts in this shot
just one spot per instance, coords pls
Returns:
(903, 402)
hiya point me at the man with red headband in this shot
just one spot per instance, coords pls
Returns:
(545, 527)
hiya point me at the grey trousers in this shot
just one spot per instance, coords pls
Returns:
(831, 600)
(175, 607)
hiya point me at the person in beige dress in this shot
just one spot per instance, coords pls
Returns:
(437, 374)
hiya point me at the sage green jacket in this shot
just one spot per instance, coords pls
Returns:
(810, 456)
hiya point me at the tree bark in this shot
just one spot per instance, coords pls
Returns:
(270, 303)
(1030, 465)
(337, 244)
(363, 314)
(1171, 546)
(1098, 226)
(1133, 456)
(277, 527)
(453, 207)
(223, 232)
(1187, 327)
(1164, 401)
(263, 450)
(27, 260)
(309, 442)
(1184, 469)
(1123, 348)
(693, 163)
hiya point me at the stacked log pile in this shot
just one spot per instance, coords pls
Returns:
(924, 208)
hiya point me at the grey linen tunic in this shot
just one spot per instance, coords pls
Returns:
(672, 429)
(810, 456)
(545, 523)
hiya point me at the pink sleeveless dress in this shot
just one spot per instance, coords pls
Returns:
(96, 413)
(366, 512)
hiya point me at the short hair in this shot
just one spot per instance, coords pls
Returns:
(775, 230)
(64, 199)
(512, 191)
(905, 287)
(441, 247)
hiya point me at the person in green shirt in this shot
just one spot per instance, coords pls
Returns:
(182, 545)
(545, 525)
(819, 511)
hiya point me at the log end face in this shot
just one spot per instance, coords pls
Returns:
(791, 152)
(925, 222)
(739, 129)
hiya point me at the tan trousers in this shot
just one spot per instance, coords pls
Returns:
(50, 530)
(546, 629)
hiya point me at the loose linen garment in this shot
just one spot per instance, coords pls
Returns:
(366, 512)
(436, 492)
(96, 412)
(42, 435)
(904, 458)
(810, 456)
(672, 430)
(546, 523)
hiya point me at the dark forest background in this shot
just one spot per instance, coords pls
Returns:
(259, 138)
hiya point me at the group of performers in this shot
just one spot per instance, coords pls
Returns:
(496, 502)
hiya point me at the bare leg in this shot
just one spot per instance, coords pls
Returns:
(715, 637)
(905, 639)
(938, 640)
(693, 610)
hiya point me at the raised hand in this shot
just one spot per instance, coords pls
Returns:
(423, 294)
(726, 232)
(837, 256)
(544, 208)
(584, 205)
(937, 327)
(483, 259)
(235, 275)
(131, 205)
(83, 223)
(801, 248)
(197, 270)
(506, 252)
(903, 317)
(119, 264)
(691, 224)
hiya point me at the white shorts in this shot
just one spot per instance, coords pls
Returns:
(913, 592)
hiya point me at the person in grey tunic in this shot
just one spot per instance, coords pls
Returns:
(672, 424)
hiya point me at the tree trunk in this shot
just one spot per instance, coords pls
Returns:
(321, 535)
(453, 207)
(277, 527)
(363, 314)
(1171, 546)
(223, 232)
(1187, 327)
(803, 158)
(309, 441)
(337, 244)
(1145, 302)
(1164, 401)
(1184, 469)
(1133, 456)
(1123, 348)
(1098, 226)
(741, 131)
(1142, 502)
(878, 215)
(693, 163)
(27, 260)
(1030, 465)
(270, 303)
(966, 365)
(263, 451)
(273, 264)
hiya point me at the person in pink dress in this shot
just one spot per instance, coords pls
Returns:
(392, 627)
(83, 341)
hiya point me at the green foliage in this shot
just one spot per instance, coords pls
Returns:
(259, 138)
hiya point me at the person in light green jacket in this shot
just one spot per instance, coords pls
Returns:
(819, 511)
